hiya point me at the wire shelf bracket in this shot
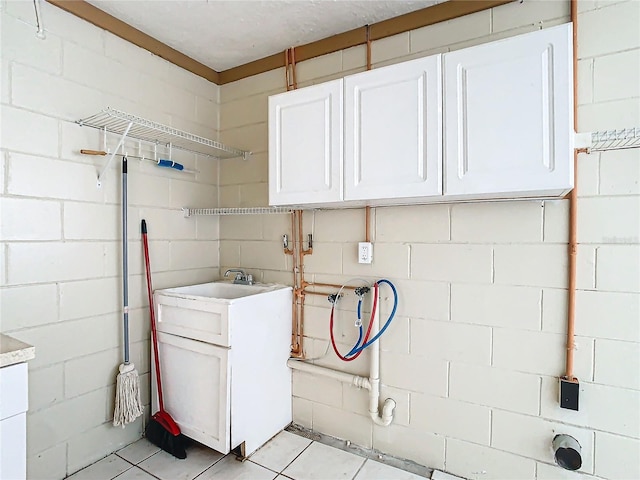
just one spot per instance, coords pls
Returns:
(126, 125)
(190, 212)
(608, 140)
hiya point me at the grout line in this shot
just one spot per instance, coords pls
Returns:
(361, 467)
(297, 456)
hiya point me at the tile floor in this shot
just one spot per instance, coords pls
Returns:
(286, 456)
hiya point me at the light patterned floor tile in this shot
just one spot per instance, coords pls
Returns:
(108, 467)
(373, 470)
(280, 451)
(138, 451)
(232, 469)
(135, 473)
(438, 475)
(320, 462)
(167, 467)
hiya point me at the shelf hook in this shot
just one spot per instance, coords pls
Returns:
(115, 151)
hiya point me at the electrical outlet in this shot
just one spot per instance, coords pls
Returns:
(365, 252)
(569, 393)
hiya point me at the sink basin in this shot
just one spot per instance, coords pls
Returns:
(206, 311)
(220, 290)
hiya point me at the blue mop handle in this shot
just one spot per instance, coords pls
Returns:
(170, 164)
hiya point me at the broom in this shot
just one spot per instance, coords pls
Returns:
(128, 406)
(162, 429)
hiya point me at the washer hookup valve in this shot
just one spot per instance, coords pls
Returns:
(333, 298)
(362, 291)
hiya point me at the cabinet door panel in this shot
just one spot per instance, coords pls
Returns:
(509, 116)
(305, 145)
(196, 389)
(393, 131)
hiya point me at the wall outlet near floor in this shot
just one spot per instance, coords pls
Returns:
(365, 252)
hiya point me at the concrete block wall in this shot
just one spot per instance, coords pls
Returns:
(60, 255)
(474, 355)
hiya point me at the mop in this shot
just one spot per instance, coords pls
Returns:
(128, 405)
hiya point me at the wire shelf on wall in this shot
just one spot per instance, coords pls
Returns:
(190, 212)
(138, 128)
(615, 139)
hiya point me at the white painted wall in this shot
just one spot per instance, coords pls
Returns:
(473, 357)
(60, 255)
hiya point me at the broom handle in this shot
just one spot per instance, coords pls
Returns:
(154, 332)
(125, 262)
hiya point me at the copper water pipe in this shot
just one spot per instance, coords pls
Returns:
(367, 209)
(573, 210)
(298, 290)
(293, 67)
(296, 347)
(368, 32)
(367, 224)
(329, 285)
(286, 69)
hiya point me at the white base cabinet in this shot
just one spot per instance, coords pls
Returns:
(493, 121)
(13, 421)
(224, 369)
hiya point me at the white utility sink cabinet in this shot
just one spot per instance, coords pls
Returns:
(223, 354)
(492, 121)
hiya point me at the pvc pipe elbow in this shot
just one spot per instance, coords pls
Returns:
(387, 413)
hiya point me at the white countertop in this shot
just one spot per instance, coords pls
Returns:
(14, 351)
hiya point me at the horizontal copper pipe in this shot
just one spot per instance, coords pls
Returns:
(330, 285)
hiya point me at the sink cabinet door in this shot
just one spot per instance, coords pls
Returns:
(198, 395)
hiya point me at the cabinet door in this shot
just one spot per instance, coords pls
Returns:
(509, 116)
(393, 127)
(195, 384)
(13, 454)
(305, 145)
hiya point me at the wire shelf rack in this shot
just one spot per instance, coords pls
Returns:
(138, 128)
(615, 139)
(190, 212)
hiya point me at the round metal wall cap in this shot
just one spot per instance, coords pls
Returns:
(567, 452)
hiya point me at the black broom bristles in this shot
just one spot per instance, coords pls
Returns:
(159, 436)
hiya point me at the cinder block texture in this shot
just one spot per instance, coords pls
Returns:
(60, 250)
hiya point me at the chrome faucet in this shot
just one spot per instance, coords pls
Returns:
(241, 277)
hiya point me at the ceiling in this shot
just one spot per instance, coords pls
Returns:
(223, 34)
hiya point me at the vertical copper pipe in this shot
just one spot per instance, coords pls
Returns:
(293, 67)
(367, 224)
(368, 47)
(367, 209)
(297, 349)
(294, 269)
(286, 69)
(573, 210)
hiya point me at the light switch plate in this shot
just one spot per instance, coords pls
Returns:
(365, 252)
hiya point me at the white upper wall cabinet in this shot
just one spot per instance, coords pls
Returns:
(393, 131)
(493, 121)
(508, 128)
(305, 145)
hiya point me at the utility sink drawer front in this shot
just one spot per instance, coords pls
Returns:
(204, 321)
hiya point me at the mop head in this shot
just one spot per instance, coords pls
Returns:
(128, 404)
